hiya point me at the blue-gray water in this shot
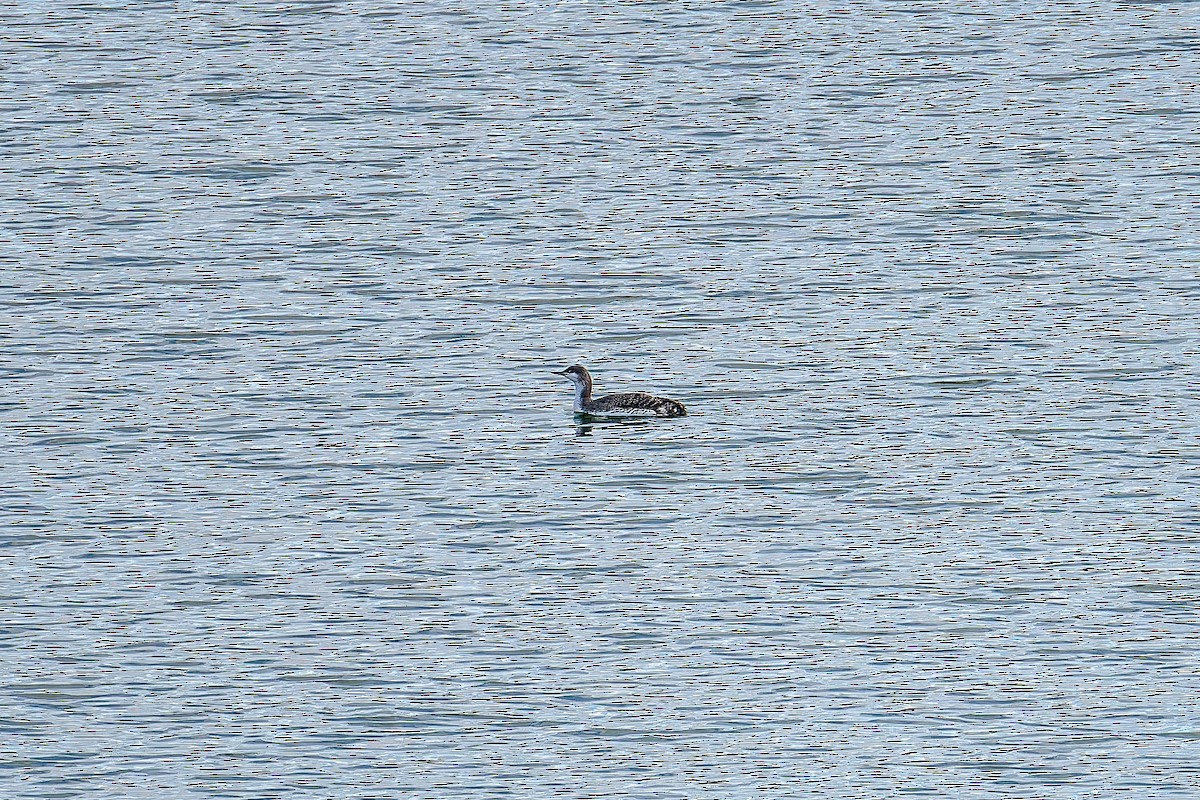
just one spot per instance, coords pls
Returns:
(294, 507)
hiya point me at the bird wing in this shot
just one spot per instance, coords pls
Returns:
(635, 402)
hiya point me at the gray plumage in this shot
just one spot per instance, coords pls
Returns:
(616, 404)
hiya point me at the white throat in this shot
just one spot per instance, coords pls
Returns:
(578, 392)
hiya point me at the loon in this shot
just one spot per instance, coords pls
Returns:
(617, 404)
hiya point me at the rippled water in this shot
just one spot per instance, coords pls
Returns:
(294, 507)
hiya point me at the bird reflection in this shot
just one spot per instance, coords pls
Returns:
(584, 423)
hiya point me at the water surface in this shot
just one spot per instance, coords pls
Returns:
(295, 507)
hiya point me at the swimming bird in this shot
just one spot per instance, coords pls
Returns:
(626, 403)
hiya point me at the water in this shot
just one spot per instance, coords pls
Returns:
(294, 507)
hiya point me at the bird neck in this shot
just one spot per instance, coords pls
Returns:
(583, 393)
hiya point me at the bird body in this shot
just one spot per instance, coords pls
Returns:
(623, 404)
